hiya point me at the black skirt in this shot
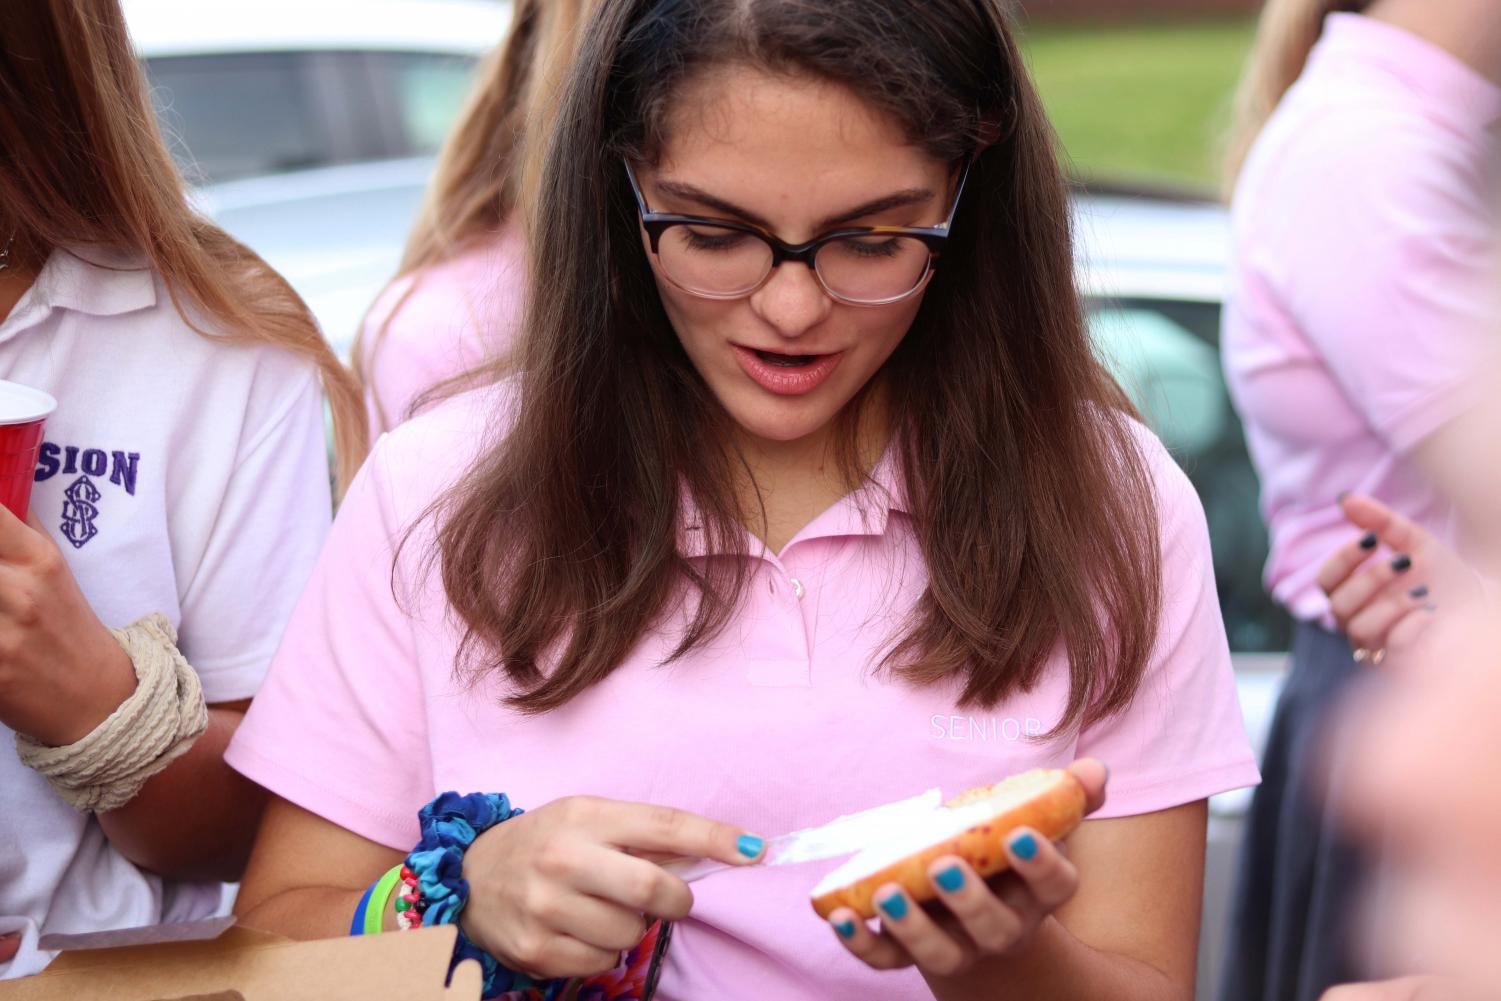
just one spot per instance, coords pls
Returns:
(1292, 928)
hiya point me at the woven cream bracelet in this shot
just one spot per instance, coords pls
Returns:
(151, 729)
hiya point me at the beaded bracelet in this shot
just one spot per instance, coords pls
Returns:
(408, 901)
(436, 890)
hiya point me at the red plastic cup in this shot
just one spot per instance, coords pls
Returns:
(23, 415)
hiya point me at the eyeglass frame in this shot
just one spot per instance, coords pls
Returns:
(933, 237)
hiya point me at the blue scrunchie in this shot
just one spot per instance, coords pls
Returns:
(449, 825)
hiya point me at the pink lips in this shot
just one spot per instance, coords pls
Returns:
(787, 380)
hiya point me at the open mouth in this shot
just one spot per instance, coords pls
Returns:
(786, 374)
(787, 361)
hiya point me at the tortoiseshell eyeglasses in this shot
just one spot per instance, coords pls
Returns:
(856, 265)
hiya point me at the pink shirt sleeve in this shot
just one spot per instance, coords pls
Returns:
(395, 374)
(1389, 270)
(339, 728)
(438, 323)
(1183, 739)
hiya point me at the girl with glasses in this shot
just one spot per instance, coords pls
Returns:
(806, 494)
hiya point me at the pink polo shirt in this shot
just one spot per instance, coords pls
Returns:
(1364, 291)
(441, 321)
(778, 724)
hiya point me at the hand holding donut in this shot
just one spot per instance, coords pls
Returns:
(977, 917)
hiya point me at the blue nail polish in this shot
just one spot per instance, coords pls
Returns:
(895, 906)
(1419, 593)
(750, 846)
(1025, 847)
(950, 879)
(1368, 541)
(846, 929)
(1402, 564)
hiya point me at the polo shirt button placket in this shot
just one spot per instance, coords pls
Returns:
(785, 661)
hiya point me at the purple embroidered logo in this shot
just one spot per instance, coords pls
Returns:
(81, 498)
(79, 512)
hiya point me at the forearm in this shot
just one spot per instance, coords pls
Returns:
(307, 875)
(1058, 966)
(198, 817)
(307, 912)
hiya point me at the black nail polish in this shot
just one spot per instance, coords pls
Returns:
(1402, 563)
(1368, 541)
(1419, 593)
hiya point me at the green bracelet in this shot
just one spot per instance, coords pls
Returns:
(380, 899)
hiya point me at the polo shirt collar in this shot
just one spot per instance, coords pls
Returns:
(92, 280)
(865, 510)
(97, 281)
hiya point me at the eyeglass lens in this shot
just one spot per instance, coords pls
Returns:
(725, 262)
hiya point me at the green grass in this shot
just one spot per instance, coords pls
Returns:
(1141, 102)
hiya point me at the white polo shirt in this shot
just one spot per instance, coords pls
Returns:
(179, 475)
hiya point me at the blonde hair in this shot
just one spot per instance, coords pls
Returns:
(492, 157)
(82, 162)
(1285, 36)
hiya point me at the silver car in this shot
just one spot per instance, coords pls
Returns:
(308, 127)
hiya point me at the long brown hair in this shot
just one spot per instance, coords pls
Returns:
(1285, 36)
(82, 162)
(1032, 504)
(483, 168)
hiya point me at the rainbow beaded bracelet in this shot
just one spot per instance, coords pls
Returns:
(408, 901)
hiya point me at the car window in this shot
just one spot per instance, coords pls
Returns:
(239, 115)
(428, 93)
(1165, 354)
